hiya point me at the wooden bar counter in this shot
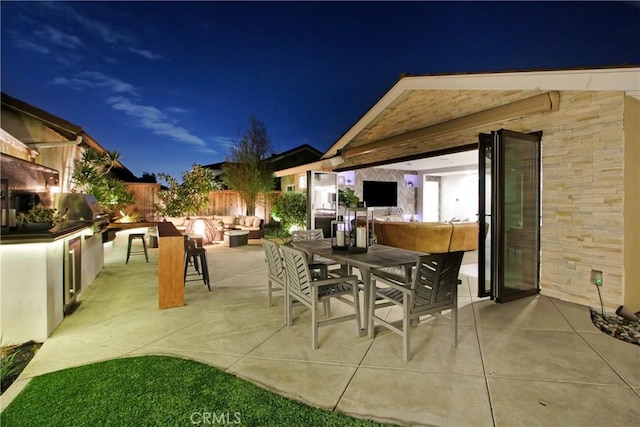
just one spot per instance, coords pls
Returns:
(170, 266)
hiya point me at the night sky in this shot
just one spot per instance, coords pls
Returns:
(170, 84)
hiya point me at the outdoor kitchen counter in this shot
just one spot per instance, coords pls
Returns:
(42, 275)
(58, 232)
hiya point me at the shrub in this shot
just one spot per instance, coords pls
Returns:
(290, 210)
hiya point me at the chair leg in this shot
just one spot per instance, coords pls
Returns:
(327, 307)
(372, 308)
(186, 264)
(454, 326)
(314, 323)
(286, 307)
(288, 304)
(356, 305)
(268, 292)
(195, 264)
(144, 246)
(405, 329)
(205, 272)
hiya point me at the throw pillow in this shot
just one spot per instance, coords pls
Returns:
(256, 222)
(228, 220)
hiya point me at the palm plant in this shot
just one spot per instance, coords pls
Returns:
(91, 176)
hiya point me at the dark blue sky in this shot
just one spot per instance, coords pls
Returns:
(169, 84)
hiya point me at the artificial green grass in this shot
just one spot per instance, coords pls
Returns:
(158, 391)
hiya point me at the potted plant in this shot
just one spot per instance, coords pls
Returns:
(39, 218)
(347, 198)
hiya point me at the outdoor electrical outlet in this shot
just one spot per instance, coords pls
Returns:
(596, 277)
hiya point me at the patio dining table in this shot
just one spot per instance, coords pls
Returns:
(378, 256)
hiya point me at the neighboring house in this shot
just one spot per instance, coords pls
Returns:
(589, 195)
(297, 156)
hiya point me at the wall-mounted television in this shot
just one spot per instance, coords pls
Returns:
(380, 193)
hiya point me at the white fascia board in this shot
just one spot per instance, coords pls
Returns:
(613, 79)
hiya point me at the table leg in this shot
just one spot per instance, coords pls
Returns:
(366, 279)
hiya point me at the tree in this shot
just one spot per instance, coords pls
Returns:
(91, 176)
(148, 177)
(246, 169)
(189, 197)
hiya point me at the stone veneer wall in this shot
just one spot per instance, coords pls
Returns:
(582, 179)
(583, 198)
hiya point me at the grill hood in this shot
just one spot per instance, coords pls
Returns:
(79, 207)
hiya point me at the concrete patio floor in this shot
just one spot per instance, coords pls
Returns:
(536, 361)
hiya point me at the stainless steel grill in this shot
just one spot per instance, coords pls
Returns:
(82, 208)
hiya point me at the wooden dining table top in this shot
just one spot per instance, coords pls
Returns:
(377, 256)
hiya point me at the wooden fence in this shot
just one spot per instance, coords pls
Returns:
(225, 202)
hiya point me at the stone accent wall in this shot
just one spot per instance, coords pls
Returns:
(582, 178)
(583, 197)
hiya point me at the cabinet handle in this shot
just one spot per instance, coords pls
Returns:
(72, 288)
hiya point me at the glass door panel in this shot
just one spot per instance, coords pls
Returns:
(484, 216)
(509, 206)
(322, 202)
(519, 182)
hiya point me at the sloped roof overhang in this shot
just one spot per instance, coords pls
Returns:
(545, 102)
(326, 164)
(625, 79)
(606, 79)
(73, 133)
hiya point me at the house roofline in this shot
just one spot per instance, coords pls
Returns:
(65, 128)
(68, 129)
(626, 79)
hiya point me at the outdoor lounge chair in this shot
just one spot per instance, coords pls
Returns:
(309, 292)
(432, 289)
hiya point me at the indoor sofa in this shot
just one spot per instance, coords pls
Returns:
(428, 237)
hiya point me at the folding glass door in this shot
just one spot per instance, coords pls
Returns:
(509, 214)
(322, 200)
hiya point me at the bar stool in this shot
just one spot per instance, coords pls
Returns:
(199, 256)
(140, 236)
(190, 259)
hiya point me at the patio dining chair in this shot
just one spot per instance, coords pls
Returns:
(318, 263)
(314, 234)
(276, 275)
(432, 289)
(303, 288)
